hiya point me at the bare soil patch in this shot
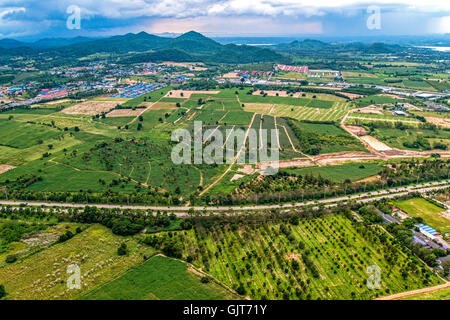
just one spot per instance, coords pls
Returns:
(359, 131)
(91, 108)
(351, 95)
(370, 110)
(5, 167)
(124, 113)
(442, 122)
(230, 75)
(339, 157)
(375, 143)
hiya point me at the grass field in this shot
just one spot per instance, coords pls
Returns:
(42, 275)
(419, 207)
(334, 113)
(352, 171)
(160, 278)
(337, 250)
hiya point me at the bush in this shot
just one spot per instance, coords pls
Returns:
(66, 236)
(205, 280)
(2, 291)
(241, 290)
(11, 258)
(122, 250)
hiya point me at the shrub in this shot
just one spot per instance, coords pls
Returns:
(11, 258)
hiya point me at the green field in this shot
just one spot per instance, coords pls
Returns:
(42, 275)
(331, 254)
(419, 207)
(160, 278)
(339, 173)
(334, 113)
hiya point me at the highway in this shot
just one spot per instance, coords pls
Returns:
(183, 210)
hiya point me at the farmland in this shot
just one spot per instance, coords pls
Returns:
(334, 113)
(322, 258)
(351, 171)
(160, 278)
(43, 274)
(429, 212)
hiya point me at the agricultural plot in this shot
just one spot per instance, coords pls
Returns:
(320, 138)
(289, 101)
(339, 173)
(321, 258)
(146, 162)
(160, 278)
(378, 99)
(383, 117)
(17, 134)
(414, 139)
(124, 113)
(90, 108)
(43, 275)
(419, 207)
(187, 93)
(334, 113)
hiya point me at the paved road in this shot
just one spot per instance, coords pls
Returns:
(182, 210)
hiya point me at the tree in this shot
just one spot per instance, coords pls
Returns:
(11, 258)
(2, 291)
(122, 250)
(241, 290)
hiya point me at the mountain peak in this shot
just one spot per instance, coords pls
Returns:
(192, 35)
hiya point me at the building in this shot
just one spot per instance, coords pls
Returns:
(428, 231)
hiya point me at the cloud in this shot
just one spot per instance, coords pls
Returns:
(108, 16)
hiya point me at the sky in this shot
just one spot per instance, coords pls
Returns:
(34, 19)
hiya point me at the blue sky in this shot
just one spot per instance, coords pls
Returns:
(31, 19)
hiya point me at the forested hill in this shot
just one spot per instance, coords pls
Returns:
(191, 46)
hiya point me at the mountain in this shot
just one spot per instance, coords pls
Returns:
(311, 46)
(11, 43)
(57, 42)
(190, 46)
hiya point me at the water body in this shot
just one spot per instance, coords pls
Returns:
(441, 49)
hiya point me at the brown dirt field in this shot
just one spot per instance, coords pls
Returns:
(376, 144)
(370, 109)
(304, 162)
(351, 95)
(5, 167)
(247, 169)
(339, 157)
(442, 122)
(370, 179)
(359, 131)
(91, 108)
(191, 66)
(187, 93)
(57, 101)
(124, 113)
(230, 75)
(164, 106)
